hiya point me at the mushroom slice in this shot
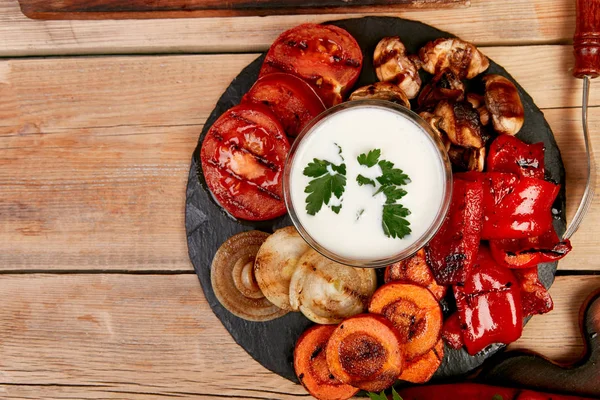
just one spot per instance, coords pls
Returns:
(478, 102)
(276, 262)
(461, 57)
(381, 91)
(327, 292)
(467, 159)
(233, 281)
(445, 85)
(504, 104)
(434, 122)
(392, 64)
(460, 121)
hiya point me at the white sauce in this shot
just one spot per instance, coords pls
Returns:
(359, 130)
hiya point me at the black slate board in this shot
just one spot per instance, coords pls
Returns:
(271, 343)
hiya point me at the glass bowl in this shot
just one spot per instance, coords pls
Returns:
(446, 194)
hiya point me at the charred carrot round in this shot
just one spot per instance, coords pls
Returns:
(311, 366)
(414, 312)
(416, 271)
(421, 369)
(365, 351)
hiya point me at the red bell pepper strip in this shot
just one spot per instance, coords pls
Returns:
(531, 251)
(535, 298)
(489, 305)
(475, 391)
(452, 251)
(452, 332)
(513, 207)
(509, 154)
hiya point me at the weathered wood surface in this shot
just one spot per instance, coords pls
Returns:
(485, 22)
(154, 336)
(122, 9)
(93, 167)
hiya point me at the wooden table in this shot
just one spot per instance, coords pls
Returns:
(98, 120)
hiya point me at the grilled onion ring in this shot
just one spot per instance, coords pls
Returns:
(327, 292)
(276, 262)
(232, 278)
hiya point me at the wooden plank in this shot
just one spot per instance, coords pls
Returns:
(119, 9)
(98, 158)
(145, 336)
(485, 22)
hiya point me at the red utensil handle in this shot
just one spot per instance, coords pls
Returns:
(587, 39)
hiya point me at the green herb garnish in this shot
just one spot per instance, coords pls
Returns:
(329, 179)
(382, 395)
(362, 180)
(394, 222)
(370, 159)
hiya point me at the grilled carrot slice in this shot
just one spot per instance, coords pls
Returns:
(415, 313)
(311, 366)
(415, 270)
(421, 369)
(365, 351)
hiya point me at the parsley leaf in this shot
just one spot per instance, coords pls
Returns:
(392, 193)
(391, 175)
(394, 222)
(370, 159)
(362, 180)
(330, 179)
(382, 396)
(316, 168)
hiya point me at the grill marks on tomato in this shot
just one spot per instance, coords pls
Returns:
(242, 159)
(325, 56)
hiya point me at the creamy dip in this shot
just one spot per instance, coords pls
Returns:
(356, 233)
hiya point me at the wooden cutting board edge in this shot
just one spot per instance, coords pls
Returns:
(31, 10)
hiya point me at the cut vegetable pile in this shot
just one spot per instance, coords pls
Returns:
(499, 227)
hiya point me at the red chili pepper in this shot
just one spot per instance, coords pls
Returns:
(514, 207)
(452, 332)
(475, 391)
(509, 154)
(452, 251)
(531, 251)
(535, 298)
(489, 305)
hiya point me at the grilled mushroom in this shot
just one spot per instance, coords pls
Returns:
(504, 104)
(445, 85)
(327, 292)
(457, 55)
(233, 281)
(381, 91)
(467, 159)
(392, 64)
(276, 262)
(460, 121)
(478, 102)
(434, 122)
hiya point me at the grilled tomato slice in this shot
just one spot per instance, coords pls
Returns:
(242, 156)
(325, 56)
(291, 99)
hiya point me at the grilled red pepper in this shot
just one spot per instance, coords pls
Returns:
(509, 154)
(475, 391)
(535, 298)
(452, 332)
(452, 251)
(514, 207)
(531, 251)
(489, 305)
